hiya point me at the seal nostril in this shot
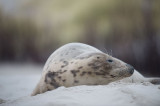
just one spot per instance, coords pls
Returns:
(132, 71)
(130, 68)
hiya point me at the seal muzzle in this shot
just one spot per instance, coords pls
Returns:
(130, 68)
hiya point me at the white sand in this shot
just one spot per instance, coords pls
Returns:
(18, 80)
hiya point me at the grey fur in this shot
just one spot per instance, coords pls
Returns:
(80, 64)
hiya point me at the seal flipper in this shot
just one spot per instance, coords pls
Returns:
(36, 90)
(40, 88)
(155, 81)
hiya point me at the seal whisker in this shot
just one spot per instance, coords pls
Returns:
(109, 53)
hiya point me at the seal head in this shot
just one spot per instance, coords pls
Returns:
(102, 67)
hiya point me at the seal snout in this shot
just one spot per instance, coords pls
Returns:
(130, 68)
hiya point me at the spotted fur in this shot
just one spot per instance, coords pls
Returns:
(80, 64)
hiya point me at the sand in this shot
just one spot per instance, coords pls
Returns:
(17, 81)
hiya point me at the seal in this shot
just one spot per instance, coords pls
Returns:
(80, 64)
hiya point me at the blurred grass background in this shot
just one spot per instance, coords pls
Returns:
(30, 30)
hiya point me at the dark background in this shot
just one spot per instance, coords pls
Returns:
(30, 30)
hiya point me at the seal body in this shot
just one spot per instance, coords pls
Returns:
(80, 64)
